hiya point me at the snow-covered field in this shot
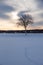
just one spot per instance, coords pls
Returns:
(21, 49)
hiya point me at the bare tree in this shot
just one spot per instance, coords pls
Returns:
(25, 20)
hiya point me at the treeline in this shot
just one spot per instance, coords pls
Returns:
(21, 31)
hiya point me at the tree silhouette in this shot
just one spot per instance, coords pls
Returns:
(25, 20)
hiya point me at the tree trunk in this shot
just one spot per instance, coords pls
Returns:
(25, 31)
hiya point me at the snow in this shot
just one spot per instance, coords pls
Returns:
(21, 49)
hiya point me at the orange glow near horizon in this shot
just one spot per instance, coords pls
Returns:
(6, 25)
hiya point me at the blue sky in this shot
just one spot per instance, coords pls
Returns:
(18, 7)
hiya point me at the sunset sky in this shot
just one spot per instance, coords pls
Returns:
(10, 10)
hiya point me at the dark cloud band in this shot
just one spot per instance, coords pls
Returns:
(4, 8)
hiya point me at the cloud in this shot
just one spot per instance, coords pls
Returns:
(3, 16)
(33, 7)
(41, 15)
(40, 4)
(22, 12)
(38, 23)
(4, 8)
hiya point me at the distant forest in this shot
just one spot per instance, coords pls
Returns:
(22, 31)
